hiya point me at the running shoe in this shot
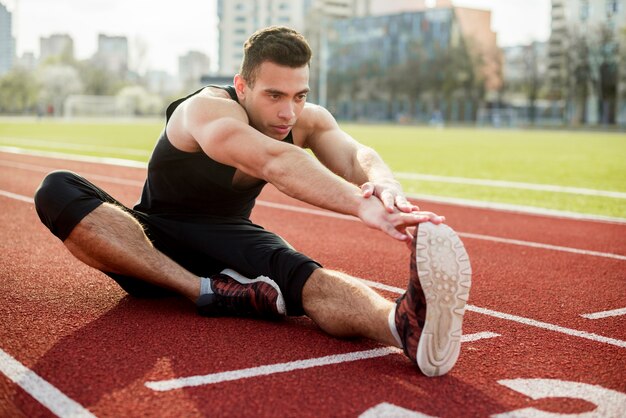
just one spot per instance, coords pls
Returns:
(236, 295)
(429, 316)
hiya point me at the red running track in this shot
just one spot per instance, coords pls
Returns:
(71, 342)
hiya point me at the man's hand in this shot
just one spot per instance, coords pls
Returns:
(390, 193)
(395, 224)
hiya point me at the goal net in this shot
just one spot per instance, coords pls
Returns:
(95, 106)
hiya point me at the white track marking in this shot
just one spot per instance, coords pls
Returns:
(43, 169)
(461, 234)
(542, 246)
(228, 376)
(75, 146)
(329, 214)
(549, 327)
(320, 212)
(75, 157)
(515, 318)
(512, 185)
(605, 314)
(16, 196)
(409, 176)
(509, 207)
(46, 394)
(501, 207)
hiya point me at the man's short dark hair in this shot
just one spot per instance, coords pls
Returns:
(278, 44)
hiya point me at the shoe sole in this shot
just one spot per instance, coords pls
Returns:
(280, 300)
(445, 273)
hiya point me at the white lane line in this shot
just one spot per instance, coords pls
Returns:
(213, 378)
(408, 176)
(542, 246)
(15, 196)
(509, 207)
(499, 207)
(519, 319)
(605, 314)
(512, 185)
(329, 214)
(549, 327)
(75, 146)
(74, 157)
(46, 394)
(43, 169)
(319, 212)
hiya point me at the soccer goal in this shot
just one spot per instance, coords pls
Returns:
(80, 105)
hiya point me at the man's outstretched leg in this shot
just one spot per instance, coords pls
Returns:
(426, 321)
(429, 316)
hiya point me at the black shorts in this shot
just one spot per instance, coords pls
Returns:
(204, 247)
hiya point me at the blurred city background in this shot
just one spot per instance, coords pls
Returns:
(407, 61)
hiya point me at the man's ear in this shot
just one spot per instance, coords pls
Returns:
(240, 86)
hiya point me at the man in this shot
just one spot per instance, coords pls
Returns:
(191, 234)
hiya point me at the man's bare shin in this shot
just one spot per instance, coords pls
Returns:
(111, 240)
(344, 307)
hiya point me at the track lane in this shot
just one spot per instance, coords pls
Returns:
(100, 323)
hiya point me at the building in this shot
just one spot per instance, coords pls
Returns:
(7, 42)
(162, 83)
(238, 19)
(191, 67)
(413, 65)
(27, 61)
(320, 15)
(524, 74)
(112, 54)
(58, 45)
(587, 60)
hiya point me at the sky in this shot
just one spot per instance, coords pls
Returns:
(169, 29)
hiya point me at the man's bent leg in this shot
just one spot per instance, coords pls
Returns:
(99, 231)
(111, 240)
(345, 307)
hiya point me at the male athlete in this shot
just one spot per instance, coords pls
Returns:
(191, 234)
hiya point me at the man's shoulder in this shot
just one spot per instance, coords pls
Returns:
(315, 116)
(213, 102)
(216, 92)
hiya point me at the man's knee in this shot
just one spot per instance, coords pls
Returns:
(318, 283)
(62, 200)
(47, 194)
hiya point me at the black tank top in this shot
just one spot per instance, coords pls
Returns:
(190, 185)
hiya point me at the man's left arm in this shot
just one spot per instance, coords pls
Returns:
(353, 161)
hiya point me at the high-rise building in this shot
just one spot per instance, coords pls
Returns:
(587, 60)
(413, 64)
(240, 18)
(191, 67)
(56, 45)
(7, 42)
(112, 54)
(27, 61)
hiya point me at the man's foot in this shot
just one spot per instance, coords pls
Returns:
(429, 316)
(236, 295)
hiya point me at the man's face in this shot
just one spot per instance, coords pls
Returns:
(275, 102)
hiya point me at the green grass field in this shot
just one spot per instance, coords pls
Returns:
(591, 160)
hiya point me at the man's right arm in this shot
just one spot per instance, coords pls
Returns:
(224, 135)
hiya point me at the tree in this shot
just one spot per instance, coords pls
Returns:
(18, 92)
(139, 101)
(57, 83)
(590, 66)
(97, 80)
